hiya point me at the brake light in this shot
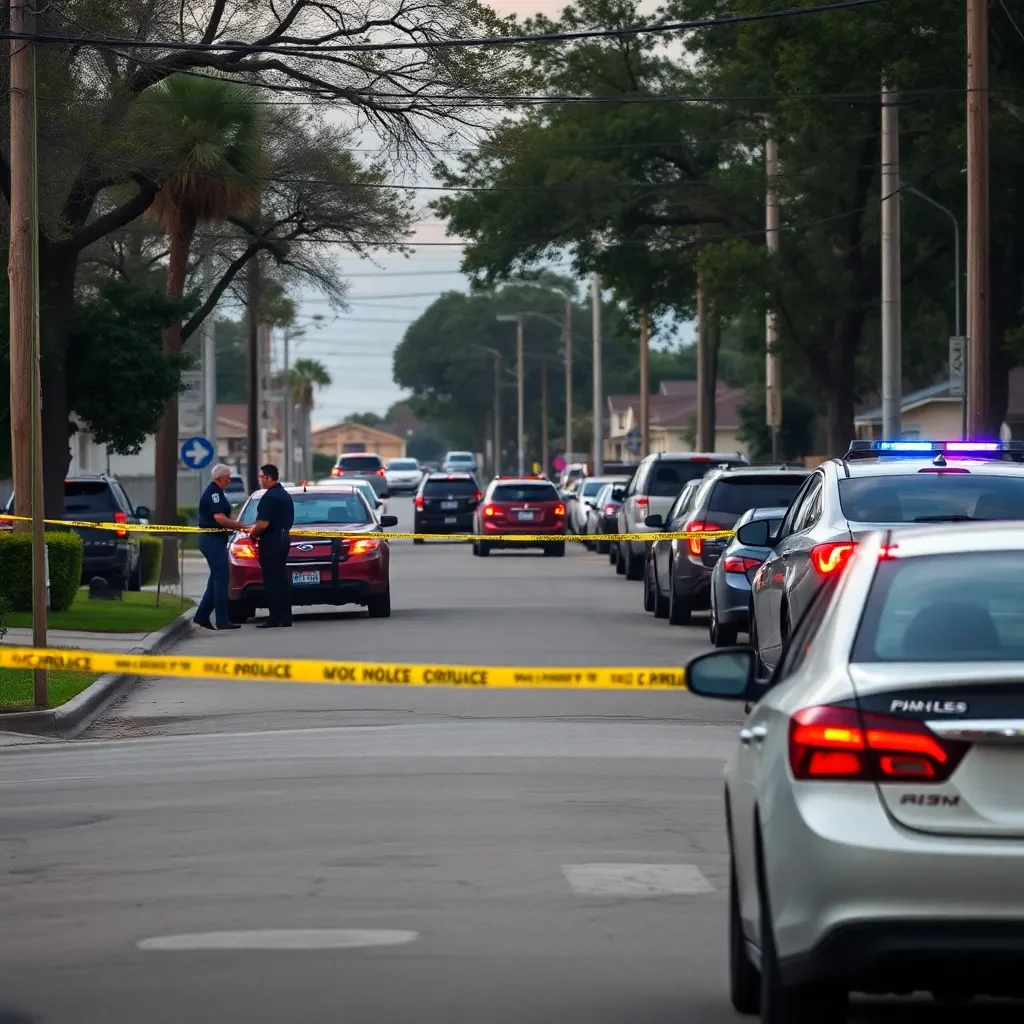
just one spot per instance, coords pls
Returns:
(830, 558)
(477, 497)
(337, 471)
(559, 511)
(842, 743)
(364, 545)
(740, 563)
(419, 502)
(380, 472)
(490, 510)
(699, 526)
(610, 510)
(641, 501)
(121, 517)
(243, 549)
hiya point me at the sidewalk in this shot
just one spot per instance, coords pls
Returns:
(117, 643)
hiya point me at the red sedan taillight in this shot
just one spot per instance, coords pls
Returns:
(490, 511)
(121, 517)
(830, 743)
(242, 550)
(363, 546)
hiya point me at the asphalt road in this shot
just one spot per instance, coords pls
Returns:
(399, 855)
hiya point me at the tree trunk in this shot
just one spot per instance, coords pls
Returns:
(1007, 291)
(839, 386)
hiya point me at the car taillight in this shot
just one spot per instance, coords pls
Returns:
(831, 557)
(490, 511)
(419, 502)
(559, 511)
(242, 549)
(478, 496)
(121, 517)
(842, 743)
(364, 546)
(380, 472)
(699, 526)
(610, 510)
(740, 563)
(337, 471)
(641, 501)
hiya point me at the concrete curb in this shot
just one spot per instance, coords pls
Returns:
(78, 714)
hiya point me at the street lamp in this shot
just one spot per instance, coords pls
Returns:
(517, 319)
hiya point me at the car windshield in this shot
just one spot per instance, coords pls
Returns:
(401, 464)
(524, 492)
(734, 495)
(457, 488)
(321, 507)
(359, 463)
(957, 607)
(932, 497)
(88, 496)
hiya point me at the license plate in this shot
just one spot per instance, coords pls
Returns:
(450, 520)
(449, 504)
(305, 577)
(525, 517)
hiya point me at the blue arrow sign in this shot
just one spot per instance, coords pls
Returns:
(197, 453)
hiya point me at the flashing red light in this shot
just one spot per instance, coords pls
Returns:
(832, 557)
(121, 517)
(740, 563)
(696, 544)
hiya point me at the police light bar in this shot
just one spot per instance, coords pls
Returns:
(919, 448)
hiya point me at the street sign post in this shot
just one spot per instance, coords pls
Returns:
(197, 453)
(190, 404)
(634, 439)
(957, 347)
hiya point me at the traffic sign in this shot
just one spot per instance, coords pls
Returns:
(191, 404)
(197, 453)
(956, 366)
(634, 439)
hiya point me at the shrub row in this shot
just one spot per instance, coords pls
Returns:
(65, 556)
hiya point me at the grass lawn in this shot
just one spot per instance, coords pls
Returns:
(16, 688)
(135, 613)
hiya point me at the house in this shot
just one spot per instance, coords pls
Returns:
(672, 411)
(347, 436)
(931, 413)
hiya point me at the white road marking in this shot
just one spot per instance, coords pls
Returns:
(639, 880)
(283, 939)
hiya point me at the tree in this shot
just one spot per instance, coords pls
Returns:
(368, 419)
(307, 377)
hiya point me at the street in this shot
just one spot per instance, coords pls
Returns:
(266, 852)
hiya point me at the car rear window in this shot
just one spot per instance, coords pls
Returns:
(931, 497)
(734, 495)
(460, 488)
(667, 479)
(403, 464)
(460, 457)
(592, 487)
(524, 492)
(359, 463)
(320, 508)
(88, 496)
(956, 607)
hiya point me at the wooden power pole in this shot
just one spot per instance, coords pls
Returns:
(544, 463)
(892, 362)
(977, 219)
(252, 376)
(773, 359)
(706, 383)
(645, 387)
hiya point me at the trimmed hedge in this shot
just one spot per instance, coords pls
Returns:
(65, 553)
(150, 549)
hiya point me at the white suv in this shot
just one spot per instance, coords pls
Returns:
(459, 462)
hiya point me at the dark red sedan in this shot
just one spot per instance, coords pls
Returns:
(324, 570)
(521, 505)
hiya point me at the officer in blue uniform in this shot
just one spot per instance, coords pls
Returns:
(275, 515)
(215, 513)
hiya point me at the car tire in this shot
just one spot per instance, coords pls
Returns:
(650, 587)
(135, 576)
(620, 561)
(791, 1004)
(679, 609)
(602, 547)
(744, 977)
(760, 672)
(661, 601)
(720, 634)
(634, 566)
(555, 550)
(240, 611)
(379, 605)
(484, 549)
(476, 548)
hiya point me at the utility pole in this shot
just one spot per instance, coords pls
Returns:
(773, 359)
(892, 362)
(209, 343)
(645, 388)
(23, 276)
(520, 396)
(497, 414)
(705, 374)
(545, 466)
(265, 338)
(252, 382)
(567, 328)
(977, 219)
(286, 413)
(595, 300)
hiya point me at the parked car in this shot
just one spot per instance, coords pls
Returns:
(324, 570)
(601, 517)
(403, 475)
(655, 486)
(584, 498)
(678, 572)
(731, 579)
(111, 554)
(445, 503)
(365, 465)
(236, 492)
(459, 462)
(524, 505)
(373, 499)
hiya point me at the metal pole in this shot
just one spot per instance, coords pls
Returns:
(209, 341)
(497, 414)
(773, 359)
(892, 365)
(595, 300)
(545, 467)
(645, 388)
(567, 327)
(520, 454)
(286, 412)
(252, 379)
(705, 381)
(977, 219)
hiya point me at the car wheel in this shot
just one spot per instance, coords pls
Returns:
(661, 601)
(484, 549)
(791, 1004)
(555, 550)
(240, 611)
(135, 576)
(649, 587)
(678, 607)
(379, 605)
(744, 977)
(634, 566)
(476, 548)
(720, 634)
(620, 562)
(603, 547)
(760, 672)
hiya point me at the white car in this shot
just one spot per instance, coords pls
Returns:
(459, 462)
(875, 796)
(403, 475)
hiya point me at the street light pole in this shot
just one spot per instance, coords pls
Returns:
(568, 378)
(595, 292)
(520, 397)
(892, 365)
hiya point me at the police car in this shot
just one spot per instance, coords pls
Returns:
(892, 484)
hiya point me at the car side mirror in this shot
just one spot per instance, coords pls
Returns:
(619, 494)
(724, 675)
(387, 521)
(141, 512)
(757, 534)
(655, 521)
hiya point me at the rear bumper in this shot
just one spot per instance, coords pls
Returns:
(732, 599)
(106, 561)
(356, 582)
(548, 534)
(436, 523)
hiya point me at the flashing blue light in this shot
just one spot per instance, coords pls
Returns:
(902, 446)
(963, 448)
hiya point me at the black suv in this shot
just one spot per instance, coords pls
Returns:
(445, 503)
(114, 555)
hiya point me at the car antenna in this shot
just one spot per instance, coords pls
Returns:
(939, 460)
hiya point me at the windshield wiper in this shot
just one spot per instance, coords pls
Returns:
(948, 519)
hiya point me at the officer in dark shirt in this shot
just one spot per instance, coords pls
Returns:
(215, 513)
(275, 515)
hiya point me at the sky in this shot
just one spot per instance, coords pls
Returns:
(387, 293)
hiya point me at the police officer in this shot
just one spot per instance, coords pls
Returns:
(275, 515)
(215, 513)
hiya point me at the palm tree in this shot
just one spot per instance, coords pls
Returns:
(307, 376)
(215, 172)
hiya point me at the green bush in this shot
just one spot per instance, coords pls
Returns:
(149, 552)
(65, 552)
(188, 515)
(5, 610)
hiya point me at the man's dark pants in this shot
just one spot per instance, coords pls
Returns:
(215, 551)
(273, 554)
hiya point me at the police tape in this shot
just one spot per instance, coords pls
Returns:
(502, 538)
(347, 673)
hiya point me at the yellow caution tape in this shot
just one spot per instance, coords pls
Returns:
(354, 673)
(522, 538)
